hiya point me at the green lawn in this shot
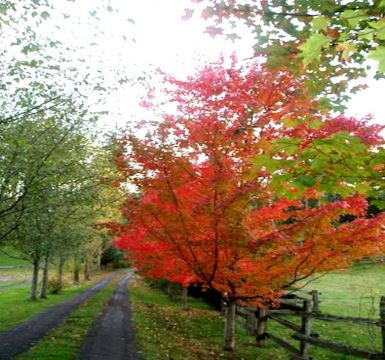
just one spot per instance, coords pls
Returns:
(15, 305)
(64, 342)
(352, 292)
(165, 331)
(12, 260)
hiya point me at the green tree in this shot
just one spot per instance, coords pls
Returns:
(327, 41)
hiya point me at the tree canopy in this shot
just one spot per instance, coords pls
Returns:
(328, 41)
(230, 192)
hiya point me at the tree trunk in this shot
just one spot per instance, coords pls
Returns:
(229, 326)
(35, 278)
(168, 289)
(185, 297)
(62, 260)
(98, 267)
(87, 275)
(44, 282)
(76, 270)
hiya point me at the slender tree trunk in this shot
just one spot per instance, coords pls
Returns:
(76, 270)
(185, 297)
(169, 290)
(87, 275)
(230, 326)
(62, 260)
(44, 282)
(98, 262)
(35, 278)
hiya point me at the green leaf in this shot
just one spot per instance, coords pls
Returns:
(380, 27)
(311, 49)
(377, 24)
(30, 48)
(44, 15)
(320, 23)
(379, 203)
(378, 55)
(233, 37)
(306, 180)
(381, 34)
(343, 36)
(366, 34)
(354, 17)
(277, 56)
(289, 145)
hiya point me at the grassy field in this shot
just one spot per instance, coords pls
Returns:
(165, 331)
(64, 342)
(15, 305)
(12, 260)
(353, 292)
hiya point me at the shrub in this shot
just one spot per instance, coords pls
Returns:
(54, 286)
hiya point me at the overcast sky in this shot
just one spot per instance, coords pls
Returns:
(130, 37)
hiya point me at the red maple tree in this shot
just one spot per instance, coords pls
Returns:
(228, 192)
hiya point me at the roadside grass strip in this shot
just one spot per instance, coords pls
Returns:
(15, 307)
(165, 331)
(64, 342)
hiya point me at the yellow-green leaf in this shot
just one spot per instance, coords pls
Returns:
(377, 24)
(320, 23)
(354, 17)
(378, 55)
(366, 34)
(311, 49)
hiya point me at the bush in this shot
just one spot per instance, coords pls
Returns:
(54, 286)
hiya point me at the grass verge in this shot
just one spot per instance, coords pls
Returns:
(165, 331)
(64, 342)
(15, 306)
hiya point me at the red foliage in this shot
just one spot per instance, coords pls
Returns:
(204, 215)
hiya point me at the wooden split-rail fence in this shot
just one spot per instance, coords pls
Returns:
(307, 310)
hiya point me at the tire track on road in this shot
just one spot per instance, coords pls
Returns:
(112, 337)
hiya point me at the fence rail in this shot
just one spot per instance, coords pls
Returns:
(307, 310)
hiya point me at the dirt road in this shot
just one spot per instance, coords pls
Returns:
(21, 337)
(112, 337)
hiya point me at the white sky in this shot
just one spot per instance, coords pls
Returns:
(162, 40)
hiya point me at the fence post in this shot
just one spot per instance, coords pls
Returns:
(382, 319)
(306, 327)
(315, 298)
(260, 332)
